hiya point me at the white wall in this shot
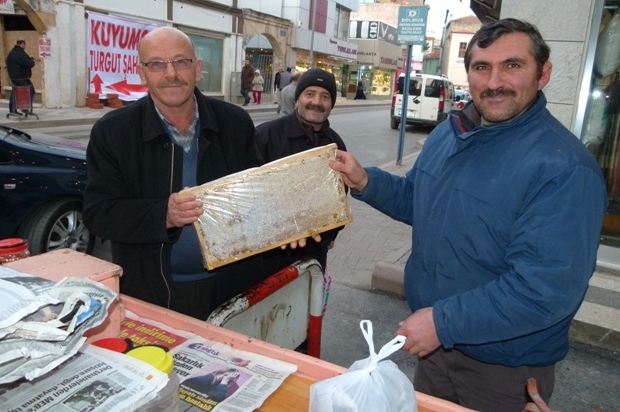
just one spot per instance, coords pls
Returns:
(65, 76)
(271, 7)
(454, 66)
(150, 9)
(567, 35)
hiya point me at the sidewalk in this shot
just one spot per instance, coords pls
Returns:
(370, 253)
(84, 115)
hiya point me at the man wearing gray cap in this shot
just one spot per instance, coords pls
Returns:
(306, 128)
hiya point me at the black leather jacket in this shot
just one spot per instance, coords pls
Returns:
(133, 167)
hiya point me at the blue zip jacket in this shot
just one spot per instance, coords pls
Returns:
(506, 223)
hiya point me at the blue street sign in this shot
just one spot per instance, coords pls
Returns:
(412, 25)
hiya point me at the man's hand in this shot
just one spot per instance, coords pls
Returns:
(419, 329)
(182, 210)
(353, 174)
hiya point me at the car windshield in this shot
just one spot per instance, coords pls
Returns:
(463, 94)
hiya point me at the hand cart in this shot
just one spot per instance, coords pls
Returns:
(23, 102)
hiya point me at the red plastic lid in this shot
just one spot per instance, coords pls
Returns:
(13, 245)
(114, 344)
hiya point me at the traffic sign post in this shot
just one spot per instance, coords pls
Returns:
(411, 31)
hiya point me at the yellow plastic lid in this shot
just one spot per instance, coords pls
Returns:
(155, 356)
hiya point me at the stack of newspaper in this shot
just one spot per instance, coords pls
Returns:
(42, 323)
(95, 380)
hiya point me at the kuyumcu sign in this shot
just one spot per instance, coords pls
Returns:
(112, 55)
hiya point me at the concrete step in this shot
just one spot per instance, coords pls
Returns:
(597, 322)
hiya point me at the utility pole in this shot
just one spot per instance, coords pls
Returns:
(313, 14)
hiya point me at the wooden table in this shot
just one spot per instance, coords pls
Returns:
(291, 396)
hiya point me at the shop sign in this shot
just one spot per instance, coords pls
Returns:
(346, 50)
(112, 53)
(373, 30)
(45, 47)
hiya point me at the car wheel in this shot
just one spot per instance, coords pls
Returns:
(56, 226)
(393, 124)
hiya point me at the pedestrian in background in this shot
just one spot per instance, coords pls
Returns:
(305, 128)
(142, 155)
(285, 78)
(247, 75)
(359, 94)
(287, 97)
(19, 65)
(257, 87)
(276, 86)
(506, 207)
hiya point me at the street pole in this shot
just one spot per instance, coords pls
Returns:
(403, 114)
(313, 14)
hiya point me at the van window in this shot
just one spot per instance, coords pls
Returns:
(432, 87)
(415, 86)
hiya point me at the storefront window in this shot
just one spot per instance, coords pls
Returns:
(381, 82)
(376, 81)
(600, 132)
(210, 50)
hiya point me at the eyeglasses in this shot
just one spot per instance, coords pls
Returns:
(161, 65)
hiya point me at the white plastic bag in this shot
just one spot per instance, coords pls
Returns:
(370, 385)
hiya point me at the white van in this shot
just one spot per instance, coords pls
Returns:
(430, 100)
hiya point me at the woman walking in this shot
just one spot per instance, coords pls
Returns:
(257, 87)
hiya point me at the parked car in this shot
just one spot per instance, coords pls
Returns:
(42, 184)
(461, 97)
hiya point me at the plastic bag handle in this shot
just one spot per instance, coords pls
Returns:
(387, 349)
(368, 334)
(391, 347)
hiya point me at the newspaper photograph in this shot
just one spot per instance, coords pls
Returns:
(214, 377)
(94, 380)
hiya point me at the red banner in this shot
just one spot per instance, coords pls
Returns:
(112, 53)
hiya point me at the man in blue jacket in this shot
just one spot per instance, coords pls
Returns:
(506, 207)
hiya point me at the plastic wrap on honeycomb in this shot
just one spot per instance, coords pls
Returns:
(266, 207)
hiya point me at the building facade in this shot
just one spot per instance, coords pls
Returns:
(90, 46)
(457, 35)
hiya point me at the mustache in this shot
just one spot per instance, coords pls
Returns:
(315, 107)
(499, 92)
(172, 82)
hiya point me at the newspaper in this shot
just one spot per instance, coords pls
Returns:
(214, 377)
(94, 380)
(22, 294)
(44, 321)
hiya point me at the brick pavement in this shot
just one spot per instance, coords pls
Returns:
(371, 239)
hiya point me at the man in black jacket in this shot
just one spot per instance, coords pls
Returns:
(19, 66)
(140, 156)
(276, 86)
(306, 128)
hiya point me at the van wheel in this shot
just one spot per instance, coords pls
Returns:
(394, 124)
